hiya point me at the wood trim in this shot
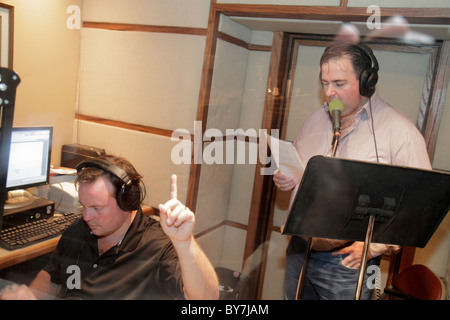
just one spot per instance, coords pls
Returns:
(259, 47)
(126, 125)
(233, 40)
(427, 88)
(437, 99)
(203, 103)
(273, 115)
(10, 33)
(276, 229)
(242, 43)
(228, 223)
(144, 28)
(345, 14)
(11, 38)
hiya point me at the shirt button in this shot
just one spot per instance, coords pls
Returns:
(95, 265)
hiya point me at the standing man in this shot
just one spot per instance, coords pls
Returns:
(120, 253)
(372, 130)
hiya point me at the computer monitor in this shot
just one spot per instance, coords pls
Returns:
(29, 158)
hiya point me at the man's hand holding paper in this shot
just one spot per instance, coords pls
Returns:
(283, 182)
(290, 167)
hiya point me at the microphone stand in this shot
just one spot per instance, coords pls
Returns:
(300, 286)
(336, 137)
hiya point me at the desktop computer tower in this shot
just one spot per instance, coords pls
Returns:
(39, 209)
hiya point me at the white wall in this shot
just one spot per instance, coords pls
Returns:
(46, 58)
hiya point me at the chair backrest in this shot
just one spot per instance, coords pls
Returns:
(419, 282)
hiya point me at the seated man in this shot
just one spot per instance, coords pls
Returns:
(116, 252)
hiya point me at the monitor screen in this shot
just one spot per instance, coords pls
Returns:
(29, 157)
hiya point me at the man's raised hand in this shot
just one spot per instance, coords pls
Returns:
(177, 221)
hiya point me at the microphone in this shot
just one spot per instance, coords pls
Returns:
(335, 108)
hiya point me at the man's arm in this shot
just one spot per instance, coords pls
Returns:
(43, 287)
(40, 288)
(199, 278)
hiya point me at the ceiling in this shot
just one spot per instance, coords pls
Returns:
(439, 32)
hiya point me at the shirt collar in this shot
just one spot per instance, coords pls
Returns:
(374, 98)
(362, 114)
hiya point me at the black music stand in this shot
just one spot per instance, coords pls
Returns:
(370, 202)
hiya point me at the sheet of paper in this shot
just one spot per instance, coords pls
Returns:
(62, 170)
(286, 157)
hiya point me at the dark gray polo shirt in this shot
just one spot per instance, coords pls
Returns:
(143, 266)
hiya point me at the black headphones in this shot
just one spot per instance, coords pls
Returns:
(368, 78)
(129, 193)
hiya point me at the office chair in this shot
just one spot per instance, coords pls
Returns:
(416, 282)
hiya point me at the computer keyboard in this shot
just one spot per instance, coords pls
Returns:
(37, 231)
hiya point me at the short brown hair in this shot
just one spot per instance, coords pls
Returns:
(359, 58)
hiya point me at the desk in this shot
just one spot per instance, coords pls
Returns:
(9, 258)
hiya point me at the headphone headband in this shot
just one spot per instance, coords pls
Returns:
(368, 51)
(105, 166)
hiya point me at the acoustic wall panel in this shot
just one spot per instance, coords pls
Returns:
(150, 154)
(151, 79)
(179, 13)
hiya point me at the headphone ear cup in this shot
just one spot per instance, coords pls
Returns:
(363, 83)
(367, 81)
(369, 77)
(129, 197)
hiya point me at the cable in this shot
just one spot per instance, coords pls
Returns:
(378, 284)
(377, 271)
(373, 130)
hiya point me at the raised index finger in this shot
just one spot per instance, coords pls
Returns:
(173, 187)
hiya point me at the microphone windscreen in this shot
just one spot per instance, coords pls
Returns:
(335, 105)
